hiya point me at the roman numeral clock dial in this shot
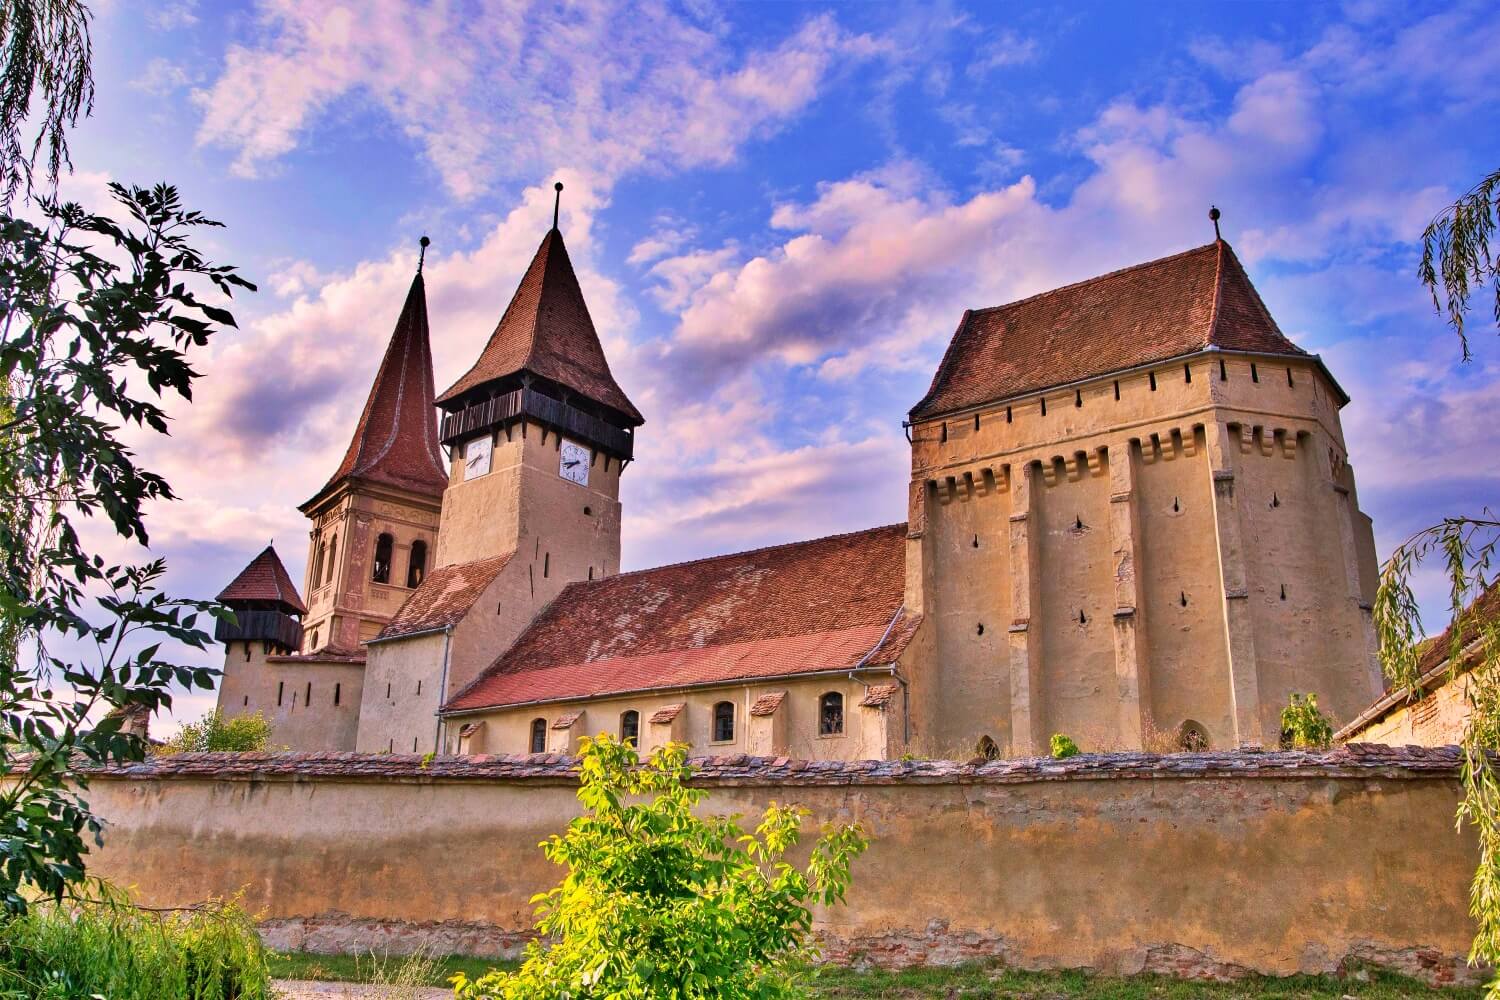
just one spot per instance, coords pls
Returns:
(573, 462)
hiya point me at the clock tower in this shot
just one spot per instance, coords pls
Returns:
(538, 433)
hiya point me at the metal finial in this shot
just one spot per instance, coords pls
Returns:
(424, 242)
(556, 204)
(1213, 213)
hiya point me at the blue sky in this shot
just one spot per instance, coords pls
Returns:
(779, 212)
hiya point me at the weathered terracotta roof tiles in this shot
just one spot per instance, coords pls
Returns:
(547, 330)
(396, 439)
(767, 704)
(668, 714)
(566, 720)
(1150, 312)
(879, 695)
(822, 605)
(264, 579)
(444, 597)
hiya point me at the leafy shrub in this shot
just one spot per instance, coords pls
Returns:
(1303, 726)
(108, 948)
(214, 732)
(659, 902)
(1063, 746)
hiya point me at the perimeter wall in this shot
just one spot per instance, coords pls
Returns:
(1192, 864)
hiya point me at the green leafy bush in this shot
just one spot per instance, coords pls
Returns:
(1303, 726)
(108, 948)
(659, 902)
(214, 732)
(1063, 746)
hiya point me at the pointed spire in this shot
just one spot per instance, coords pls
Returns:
(546, 331)
(264, 581)
(395, 441)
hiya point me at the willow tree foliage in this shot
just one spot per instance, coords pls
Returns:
(660, 902)
(47, 61)
(97, 320)
(1456, 261)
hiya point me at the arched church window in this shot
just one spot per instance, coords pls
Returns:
(630, 726)
(382, 570)
(333, 557)
(831, 714)
(988, 748)
(724, 722)
(538, 735)
(1191, 736)
(321, 554)
(416, 566)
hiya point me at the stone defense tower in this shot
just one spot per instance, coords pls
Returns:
(1132, 520)
(261, 674)
(539, 433)
(372, 539)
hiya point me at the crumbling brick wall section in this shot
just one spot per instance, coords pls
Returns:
(1202, 865)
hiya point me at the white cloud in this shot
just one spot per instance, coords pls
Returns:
(166, 15)
(161, 77)
(502, 91)
(1007, 48)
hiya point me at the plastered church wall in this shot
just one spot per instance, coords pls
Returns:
(310, 705)
(1149, 523)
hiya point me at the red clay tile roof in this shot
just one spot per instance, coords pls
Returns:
(443, 598)
(879, 695)
(396, 439)
(546, 330)
(768, 703)
(265, 579)
(566, 720)
(1150, 312)
(789, 609)
(667, 714)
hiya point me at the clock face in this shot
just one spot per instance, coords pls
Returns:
(477, 457)
(573, 462)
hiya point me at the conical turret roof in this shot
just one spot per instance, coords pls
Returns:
(396, 439)
(547, 331)
(265, 579)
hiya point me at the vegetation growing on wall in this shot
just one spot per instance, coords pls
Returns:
(1063, 746)
(1457, 260)
(660, 902)
(1303, 724)
(213, 732)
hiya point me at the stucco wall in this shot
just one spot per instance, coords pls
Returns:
(1437, 719)
(1195, 864)
(792, 730)
(279, 688)
(1180, 543)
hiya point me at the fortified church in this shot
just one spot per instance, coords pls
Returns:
(1131, 518)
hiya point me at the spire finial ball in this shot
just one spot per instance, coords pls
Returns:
(1213, 214)
(557, 186)
(425, 242)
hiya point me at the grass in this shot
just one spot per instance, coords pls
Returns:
(971, 982)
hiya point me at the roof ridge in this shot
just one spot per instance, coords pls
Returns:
(1098, 277)
(1213, 315)
(743, 552)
